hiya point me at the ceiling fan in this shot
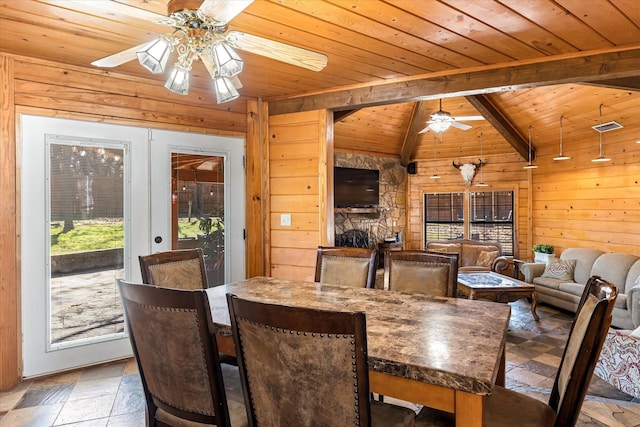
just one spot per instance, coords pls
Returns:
(442, 120)
(200, 34)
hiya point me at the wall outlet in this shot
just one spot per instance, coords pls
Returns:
(285, 220)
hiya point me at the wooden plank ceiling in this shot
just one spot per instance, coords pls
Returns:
(371, 42)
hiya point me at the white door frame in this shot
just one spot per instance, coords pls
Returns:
(38, 357)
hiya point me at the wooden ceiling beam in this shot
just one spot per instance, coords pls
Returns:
(502, 124)
(588, 66)
(626, 83)
(416, 124)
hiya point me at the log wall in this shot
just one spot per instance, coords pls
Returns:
(300, 156)
(579, 203)
(502, 173)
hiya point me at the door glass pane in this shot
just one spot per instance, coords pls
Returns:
(85, 204)
(198, 214)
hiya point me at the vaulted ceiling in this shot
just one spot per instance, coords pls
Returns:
(519, 63)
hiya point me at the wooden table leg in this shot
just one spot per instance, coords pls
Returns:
(469, 409)
(501, 377)
(534, 305)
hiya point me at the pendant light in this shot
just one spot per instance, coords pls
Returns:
(481, 183)
(530, 165)
(561, 156)
(601, 157)
(435, 157)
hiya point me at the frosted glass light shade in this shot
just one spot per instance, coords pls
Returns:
(439, 126)
(154, 56)
(229, 63)
(225, 91)
(178, 81)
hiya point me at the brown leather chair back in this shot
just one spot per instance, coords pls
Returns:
(584, 344)
(179, 269)
(173, 341)
(302, 366)
(346, 266)
(421, 271)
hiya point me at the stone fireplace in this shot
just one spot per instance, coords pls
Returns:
(352, 228)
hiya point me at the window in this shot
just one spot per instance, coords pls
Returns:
(489, 217)
(444, 216)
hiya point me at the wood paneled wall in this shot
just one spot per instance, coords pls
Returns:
(50, 89)
(300, 156)
(578, 203)
(502, 173)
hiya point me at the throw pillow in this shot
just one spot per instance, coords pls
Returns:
(486, 258)
(636, 333)
(561, 269)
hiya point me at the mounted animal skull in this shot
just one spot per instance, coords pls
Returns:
(468, 170)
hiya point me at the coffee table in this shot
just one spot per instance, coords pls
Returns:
(497, 287)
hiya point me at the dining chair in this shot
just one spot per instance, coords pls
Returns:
(346, 266)
(506, 407)
(432, 273)
(306, 367)
(173, 341)
(181, 269)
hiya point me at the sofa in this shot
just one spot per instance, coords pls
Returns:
(473, 255)
(560, 282)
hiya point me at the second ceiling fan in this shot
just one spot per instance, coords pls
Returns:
(442, 120)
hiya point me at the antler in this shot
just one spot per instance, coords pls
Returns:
(454, 165)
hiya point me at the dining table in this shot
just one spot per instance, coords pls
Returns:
(440, 352)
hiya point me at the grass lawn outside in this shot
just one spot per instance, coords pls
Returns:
(103, 233)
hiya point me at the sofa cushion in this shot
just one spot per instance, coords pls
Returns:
(486, 258)
(470, 253)
(633, 278)
(560, 269)
(572, 288)
(450, 248)
(584, 261)
(621, 301)
(548, 282)
(614, 268)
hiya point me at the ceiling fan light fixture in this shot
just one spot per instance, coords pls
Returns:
(154, 56)
(178, 81)
(439, 126)
(225, 90)
(229, 63)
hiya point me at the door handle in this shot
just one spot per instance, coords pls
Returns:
(158, 239)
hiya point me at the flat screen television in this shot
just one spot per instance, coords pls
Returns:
(356, 188)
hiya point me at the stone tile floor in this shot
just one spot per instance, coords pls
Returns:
(111, 394)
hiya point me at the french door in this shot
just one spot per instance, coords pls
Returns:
(94, 198)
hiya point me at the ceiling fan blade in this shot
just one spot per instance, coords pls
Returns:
(425, 130)
(120, 57)
(223, 10)
(468, 118)
(460, 126)
(279, 51)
